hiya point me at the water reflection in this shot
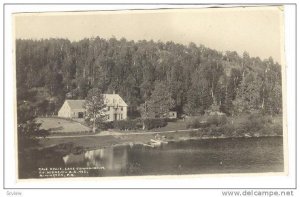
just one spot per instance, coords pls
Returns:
(112, 159)
(185, 157)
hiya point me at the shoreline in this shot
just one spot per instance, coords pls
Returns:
(92, 142)
(195, 138)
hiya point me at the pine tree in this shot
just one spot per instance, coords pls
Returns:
(95, 107)
(160, 102)
(248, 96)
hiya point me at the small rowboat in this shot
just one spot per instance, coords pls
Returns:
(158, 141)
(155, 143)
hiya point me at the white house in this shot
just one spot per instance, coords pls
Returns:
(116, 108)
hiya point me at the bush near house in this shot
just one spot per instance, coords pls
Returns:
(193, 123)
(83, 132)
(171, 119)
(151, 123)
(206, 121)
(105, 125)
(100, 124)
(126, 124)
(216, 120)
(196, 122)
(155, 123)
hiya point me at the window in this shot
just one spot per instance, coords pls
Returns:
(121, 116)
(121, 108)
(108, 108)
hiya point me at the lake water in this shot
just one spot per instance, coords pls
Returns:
(232, 155)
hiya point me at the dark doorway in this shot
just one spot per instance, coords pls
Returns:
(115, 116)
(80, 114)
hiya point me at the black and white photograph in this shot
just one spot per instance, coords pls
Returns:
(156, 92)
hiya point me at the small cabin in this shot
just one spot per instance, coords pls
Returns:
(172, 114)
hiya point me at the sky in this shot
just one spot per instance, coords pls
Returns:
(259, 31)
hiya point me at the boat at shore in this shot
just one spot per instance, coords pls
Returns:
(155, 143)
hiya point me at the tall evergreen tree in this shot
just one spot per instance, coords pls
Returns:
(95, 107)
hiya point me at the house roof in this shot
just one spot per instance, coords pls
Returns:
(113, 100)
(75, 104)
(109, 99)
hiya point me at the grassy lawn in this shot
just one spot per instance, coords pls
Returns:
(60, 126)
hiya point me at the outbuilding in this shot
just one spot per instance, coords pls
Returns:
(72, 109)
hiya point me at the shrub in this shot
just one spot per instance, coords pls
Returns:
(101, 125)
(253, 123)
(272, 129)
(87, 122)
(229, 129)
(71, 133)
(223, 120)
(217, 120)
(196, 122)
(154, 123)
(193, 123)
(213, 120)
(197, 133)
(126, 124)
(277, 129)
(171, 119)
(215, 131)
(105, 125)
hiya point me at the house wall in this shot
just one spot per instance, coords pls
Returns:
(121, 114)
(74, 112)
(64, 111)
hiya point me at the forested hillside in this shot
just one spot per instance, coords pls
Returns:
(193, 77)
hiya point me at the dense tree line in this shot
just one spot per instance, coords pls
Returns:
(189, 79)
